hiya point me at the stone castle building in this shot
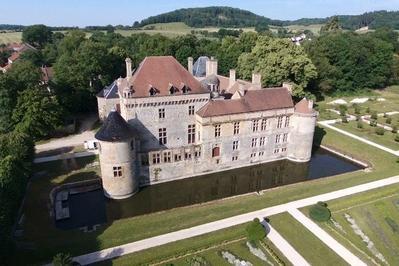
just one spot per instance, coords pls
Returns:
(164, 122)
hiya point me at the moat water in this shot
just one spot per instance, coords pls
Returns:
(200, 189)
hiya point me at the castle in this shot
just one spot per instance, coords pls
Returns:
(164, 122)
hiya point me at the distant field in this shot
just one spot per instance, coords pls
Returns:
(315, 28)
(9, 37)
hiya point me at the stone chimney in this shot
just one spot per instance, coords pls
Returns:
(211, 67)
(288, 86)
(128, 67)
(190, 65)
(257, 80)
(310, 104)
(232, 78)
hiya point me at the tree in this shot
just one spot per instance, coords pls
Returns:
(36, 113)
(37, 35)
(24, 75)
(255, 230)
(7, 103)
(331, 26)
(278, 61)
(319, 212)
(62, 259)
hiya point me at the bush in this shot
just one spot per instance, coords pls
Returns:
(359, 124)
(389, 120)
(395, 129)
(357, 109)
(197, 261)
(368, 110)
(319, 212)
(379, 131)
(342, 109)
(255, 230)
(344, 119)
(385, 115)
(397, 138)
(62, 259)
(358, 117)
(373, 123)
(374, 116)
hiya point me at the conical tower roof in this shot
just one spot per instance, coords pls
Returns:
(115, 128)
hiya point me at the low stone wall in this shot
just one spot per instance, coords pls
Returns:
(346, 156)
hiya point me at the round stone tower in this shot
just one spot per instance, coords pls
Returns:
(303, 123)
(117, 151)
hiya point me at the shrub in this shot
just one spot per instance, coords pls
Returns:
(342, 109)
(368, 110)
(389, 120)
(357, 109)
(358, 117)
(385, 115)
(255, 230)
(319, 212)
(197, 261)
(379, 131)
(395, 129)
(344, 119)
(397, 138)
(62, 259)
(374, 116)
(359, 124)
(373, 123)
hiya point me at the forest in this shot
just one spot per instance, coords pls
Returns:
(336, 62)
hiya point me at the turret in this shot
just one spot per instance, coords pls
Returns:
(303, 123)
(117, 153)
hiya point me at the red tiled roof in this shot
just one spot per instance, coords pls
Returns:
(252, 101)
(159, 72)
(14, 56)
(303, 107)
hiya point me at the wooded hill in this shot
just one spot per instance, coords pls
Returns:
(238, 18)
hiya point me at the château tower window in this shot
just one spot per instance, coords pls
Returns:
(279, 122)
(255, 124)
(156, 158)
(285, 137)
(117, 171)
(191, 134)
(287, 121)
(162, 136)
(236, 128)
(263, 125)
(278, 138)
(217, 131)
(161, 113)
(262, 141)
(191, 110)
(235, 145)
(253, 142)
(216, 152)
(167, 157)
(153, 91)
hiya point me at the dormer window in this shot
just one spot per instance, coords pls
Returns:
(185, 89)
(172, 89)
(152, 91)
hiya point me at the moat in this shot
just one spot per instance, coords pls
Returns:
(189, 191)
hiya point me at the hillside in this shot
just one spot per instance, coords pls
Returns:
(237, 18)
(209, 16)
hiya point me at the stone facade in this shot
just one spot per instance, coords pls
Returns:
(187, 130)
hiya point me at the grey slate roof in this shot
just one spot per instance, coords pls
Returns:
(115, 129)
(212, 79)
(199, 67)
(109, 92)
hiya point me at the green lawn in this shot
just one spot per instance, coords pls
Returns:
(10, 37)
(394, 120)
(371, 210)
(50, 241)
(368, 132)
(304, 241)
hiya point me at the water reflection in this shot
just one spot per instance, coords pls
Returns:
(226, 184)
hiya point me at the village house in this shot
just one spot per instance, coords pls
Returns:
(163, 122)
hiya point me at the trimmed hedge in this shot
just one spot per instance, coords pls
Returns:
(319, 212)
(255, 230)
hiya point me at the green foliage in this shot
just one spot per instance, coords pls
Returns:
(392, 224)
(374, 115)
(342, 109)
(37, 35)
(358, 117)
(373, 123)
(348, 62)
(344, 119)
(255, 230)
(359, 124)
(197, 261)
(37, 113)
(319, 212)
(278, 61)
(357, 109)
(368, 110)
(331, 26)
(395, 129)
(62, 259)
(397, 138)
(388, 120)
(379, 131)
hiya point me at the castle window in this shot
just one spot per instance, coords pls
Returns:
(255, 124)
(191, 110)
(276, 151)
(156, 158)
(236, 128)
(253, 142)
(215, 152)
(278, 137)
(283, 149)
(191, 134)
(261, 153)
(177, 157)
(187, 155)
(185, 89)
(262, 141)
(152, 91)
(253, 155)
(172, 90)
(161, 113)
(287, 121)
(263, 125)
(197, 152)
(234, 158)
(285, 137)
(217, 131)
(279, 122)
(162, 136)
(117, 171)
(167, 157)
(235, 145)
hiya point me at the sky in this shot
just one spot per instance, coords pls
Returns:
(125, 12)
